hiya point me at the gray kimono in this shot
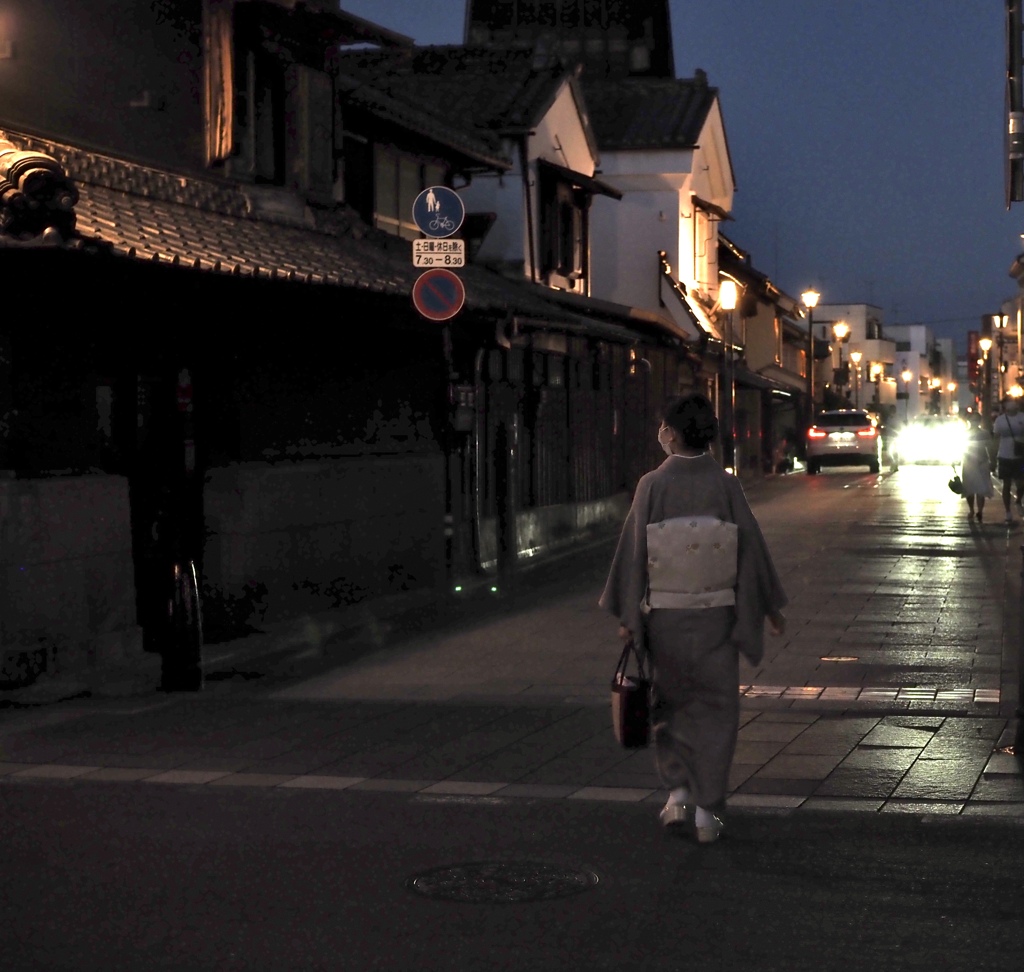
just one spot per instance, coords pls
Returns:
(681, 486)
(695, 651)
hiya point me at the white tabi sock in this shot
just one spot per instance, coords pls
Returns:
(679, 795)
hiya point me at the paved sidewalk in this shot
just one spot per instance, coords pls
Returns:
(893, 690)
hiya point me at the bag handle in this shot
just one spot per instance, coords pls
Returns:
(620, 669)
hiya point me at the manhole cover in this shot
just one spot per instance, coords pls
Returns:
(490, 882)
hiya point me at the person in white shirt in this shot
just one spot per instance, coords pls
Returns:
(1009, 429)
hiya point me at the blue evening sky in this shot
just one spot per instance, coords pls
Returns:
(866, 139)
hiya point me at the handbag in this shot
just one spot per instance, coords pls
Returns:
(956, 484)
(631, 701)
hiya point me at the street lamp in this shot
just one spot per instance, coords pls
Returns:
(728, 295)
(810, 300)
(986, 345)
(855, 357)
(1000, 321)
(906, 375)
(875, 376)
(841, 330)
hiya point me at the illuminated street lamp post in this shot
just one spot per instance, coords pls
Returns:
(810, 301)
(875, 376)
(951, 388)
(841, 330)
(1000, 321)
(855, 357)
(728, 296)
(986, 398)
(906, 375)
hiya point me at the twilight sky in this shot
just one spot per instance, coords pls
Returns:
(866, 139)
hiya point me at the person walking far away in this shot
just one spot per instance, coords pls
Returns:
(976, 468)
(692, 582)
(1009, 428)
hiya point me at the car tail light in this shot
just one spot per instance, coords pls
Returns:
(815, 433)
(867, 433)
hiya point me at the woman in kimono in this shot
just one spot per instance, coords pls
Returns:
(976, 468)
(692, 583)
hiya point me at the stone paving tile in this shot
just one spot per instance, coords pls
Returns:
(788, 716)
(860, 782)
(800, 767)
(778, 785)
(1005, 811)
(317, 782)
(113, 774)
(610, 793)
(890, 737)
(393, 786)
(939, 779)
(884, 759)
(771, 731)
(999, 789)
(186, 776)
(923, 807)
(537, 790)
(456, 788)
(756, 801)
(53, 771)
(1003, 764)
(739, 773)
(841, 804)
(295, 762)
(8, 768)
(252, 779)
(215, 762)
(756, 752)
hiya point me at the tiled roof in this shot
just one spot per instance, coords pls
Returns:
(648, 113)
(206, 225)
(480, 145)
(485, 89)
(145, 213)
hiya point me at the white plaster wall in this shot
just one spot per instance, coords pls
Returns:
(503, 195)
(625, 237)
(561, 138)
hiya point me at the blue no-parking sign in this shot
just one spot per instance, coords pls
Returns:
(438, 211)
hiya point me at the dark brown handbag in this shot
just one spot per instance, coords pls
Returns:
(631, 701)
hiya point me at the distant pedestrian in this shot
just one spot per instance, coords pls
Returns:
(692, 582)
(1009, 429)
(976, 471)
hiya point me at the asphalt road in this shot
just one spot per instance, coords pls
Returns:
(104, 876)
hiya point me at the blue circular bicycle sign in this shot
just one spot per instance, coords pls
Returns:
(438, 211)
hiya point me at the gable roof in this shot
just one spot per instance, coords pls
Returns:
(648, 113)
(476, 144)
(492, 90)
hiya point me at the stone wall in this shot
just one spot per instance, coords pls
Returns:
(67, 593)
(290, 539)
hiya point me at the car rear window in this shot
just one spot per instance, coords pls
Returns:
(844, 420)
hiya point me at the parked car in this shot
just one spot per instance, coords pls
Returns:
(844, 437)
(932, 438)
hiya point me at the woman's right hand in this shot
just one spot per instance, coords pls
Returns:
(624, 633)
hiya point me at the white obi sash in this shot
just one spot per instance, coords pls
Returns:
(691, 563)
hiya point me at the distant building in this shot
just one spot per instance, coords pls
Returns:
(872, 383)
(611, 38)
